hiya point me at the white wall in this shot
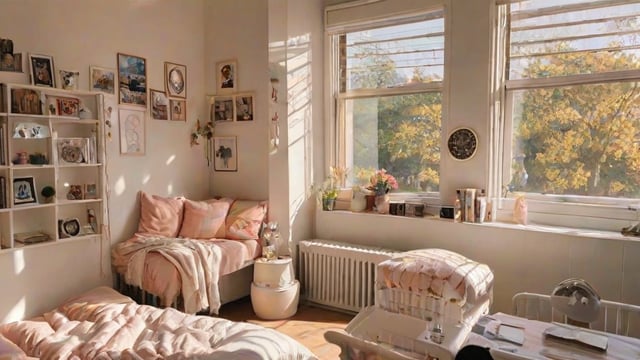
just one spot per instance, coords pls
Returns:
(522, 259)
(80, 33)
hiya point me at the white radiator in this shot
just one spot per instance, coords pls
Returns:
(339, 275)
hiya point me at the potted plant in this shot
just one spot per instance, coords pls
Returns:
(48, 192)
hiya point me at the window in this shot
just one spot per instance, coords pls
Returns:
(388, 89)
(572, 109)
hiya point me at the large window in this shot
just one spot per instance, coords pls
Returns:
(572, 113)
(388, 90)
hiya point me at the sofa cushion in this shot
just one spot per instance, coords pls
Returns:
(161, 216)
(204, 219)
(245, 219)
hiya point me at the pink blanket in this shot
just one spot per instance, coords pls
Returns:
(103, 324)
(439, 272)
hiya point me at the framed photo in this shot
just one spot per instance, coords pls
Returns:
(178, 110)
(72, 151)
(227, 76)
(244, 107)
(175, 79)
(102, 80)
(90, 191)
(69, 79)
(159, 105)
(67, 106)
(24, 190)
(221, 109)
(26, 101)
(76, 192)
(132, 80)
(132, 131)
(226, 153)
(42, 73)
(11, 62)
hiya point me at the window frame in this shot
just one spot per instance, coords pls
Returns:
(592, 212)
(339, 133)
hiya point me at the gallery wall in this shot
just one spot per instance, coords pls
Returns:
(78, 34)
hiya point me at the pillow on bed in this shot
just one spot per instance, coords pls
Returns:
(204, 219)
(9, 350)
(245, 219)
(160, 215)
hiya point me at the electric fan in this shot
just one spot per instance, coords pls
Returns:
(576, 299)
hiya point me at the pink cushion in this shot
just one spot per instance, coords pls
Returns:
(245, 219)
(9, 350)
(204, 219)
(159, 215)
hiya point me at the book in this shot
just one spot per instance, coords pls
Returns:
(578, 336)
(30, 237)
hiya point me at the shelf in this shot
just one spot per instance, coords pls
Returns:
(30, 206)
(64, 202)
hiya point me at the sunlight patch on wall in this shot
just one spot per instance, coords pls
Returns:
(119, 186)
(146, 179)
(170, 159)
(17, 312)
(18, 262)
(170, 189)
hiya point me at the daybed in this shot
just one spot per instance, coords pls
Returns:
(193, 255)
(103, 324)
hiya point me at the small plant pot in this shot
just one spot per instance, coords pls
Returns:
(328, 204)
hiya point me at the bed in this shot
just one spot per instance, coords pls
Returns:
(191, 255)
(104, 324)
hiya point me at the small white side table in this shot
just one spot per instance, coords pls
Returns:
(275, 291)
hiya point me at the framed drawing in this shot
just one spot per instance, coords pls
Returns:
(175, 79)
(159, 105)
(132, 80)
(68, 106)
(132, 131)
(178, 110)
(90, 191)
(226, 153)
(221, 109)
(69, 79)
(244, 107)
(102, 80)
(41, 67)
(72, 151)
(26, 101)
(227, 75)
(24, 190)
(76, 192)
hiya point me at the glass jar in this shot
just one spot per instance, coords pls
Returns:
(271, 241)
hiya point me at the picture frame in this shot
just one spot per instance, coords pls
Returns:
(226, 153)
(132, 131)
(178, 109)
(76, 192)
(26, 101)
(67, 106)
(159, 105)
(90, 191)
(175, 80)
(42, 70)
(244, 107)
(132, 80)
(221, 109)
(226, 76)
(24, 190)
(72, 151)
(11, 62)
(68, 79)
(102, 79)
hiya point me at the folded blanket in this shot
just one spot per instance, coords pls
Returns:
(197, 262)
(87, 328)
(439, 272)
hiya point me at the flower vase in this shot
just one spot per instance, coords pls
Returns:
(382, 204)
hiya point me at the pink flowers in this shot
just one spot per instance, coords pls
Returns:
(382, 182)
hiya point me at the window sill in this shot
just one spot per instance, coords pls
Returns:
(562, 230)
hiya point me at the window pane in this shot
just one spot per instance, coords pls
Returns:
(577, 140)
(552, 38)
(395, 55)
(398, 133)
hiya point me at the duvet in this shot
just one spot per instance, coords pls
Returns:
(102, 324)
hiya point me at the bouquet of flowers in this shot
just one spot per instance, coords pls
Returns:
(382, 182)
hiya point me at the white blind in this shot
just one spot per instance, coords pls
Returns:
(360, 14)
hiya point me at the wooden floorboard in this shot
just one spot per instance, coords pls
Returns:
(307, 326)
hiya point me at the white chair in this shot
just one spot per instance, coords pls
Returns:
(616, 318)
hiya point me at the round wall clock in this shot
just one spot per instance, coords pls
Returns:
(462, 143)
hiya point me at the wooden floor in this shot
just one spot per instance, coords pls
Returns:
(307, 326)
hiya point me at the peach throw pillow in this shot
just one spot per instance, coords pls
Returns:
(204, 219)
(245, 219)
(160, 215)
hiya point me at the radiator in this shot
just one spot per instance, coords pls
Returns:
(339, 275)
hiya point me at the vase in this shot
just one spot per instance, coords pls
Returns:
(382, 204)
(358, 201)
(328, 204)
